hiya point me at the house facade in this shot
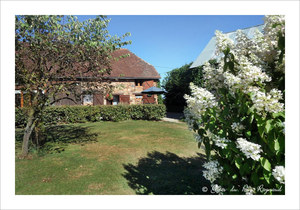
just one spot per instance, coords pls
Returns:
(129, 77)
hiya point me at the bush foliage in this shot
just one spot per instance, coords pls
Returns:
(79, 114)
(176, 83)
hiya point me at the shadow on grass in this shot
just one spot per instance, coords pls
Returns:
(167, 174)
(56, 138)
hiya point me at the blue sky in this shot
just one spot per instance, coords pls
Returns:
(170, 41)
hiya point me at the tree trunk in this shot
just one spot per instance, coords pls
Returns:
(27, 133)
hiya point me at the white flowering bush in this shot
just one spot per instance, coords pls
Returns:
(238, 113)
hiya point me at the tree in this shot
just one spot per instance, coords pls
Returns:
(159, 97)
(54, 54)
(177, 82)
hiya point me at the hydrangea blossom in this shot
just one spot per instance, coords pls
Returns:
(200, 100)
(231, 80)
(237, 127)
(220, 142)
(250, 74)
(213, 170)
(267, 43)
(223, 42)
(213, 77)
(269, 102)
(249, 149)
(279, 174)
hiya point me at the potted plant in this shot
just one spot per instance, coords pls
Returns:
(109, 96)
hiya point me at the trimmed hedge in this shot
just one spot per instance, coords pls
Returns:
(78, 114)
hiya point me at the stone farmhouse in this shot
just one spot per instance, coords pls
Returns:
(129, 77)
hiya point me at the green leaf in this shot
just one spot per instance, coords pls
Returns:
(231, 65)
(265, 163)
(238, 162)
(207, 148)
(261, 130)
(245, 169)
(267, 176)
(268, 126)
(279, 114)
(251, 118)
(248, 134)
(254, 178)
(276, 145)
(281, 42)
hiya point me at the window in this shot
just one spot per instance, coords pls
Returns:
(116, 100)
(138, 83)
(138, 99)
(87, 99)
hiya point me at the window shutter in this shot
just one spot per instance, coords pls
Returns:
(125, 99)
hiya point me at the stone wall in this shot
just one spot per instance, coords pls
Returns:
(121, 87)
(128, 87)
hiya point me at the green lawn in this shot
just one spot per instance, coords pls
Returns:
(129, 157)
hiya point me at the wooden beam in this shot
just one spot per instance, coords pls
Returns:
(22, 99)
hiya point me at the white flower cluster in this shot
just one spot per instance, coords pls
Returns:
(279, 174)
(245, 47)
(232, 81)
(213, 77)
(251, 74)
(274, 24)
(269, 102)
(220, 142)
(200, 100)
(237, 127)
(223, 42)
(249, 149)
(213, 170)
(217, 189)
(268, 42)
(248, 190)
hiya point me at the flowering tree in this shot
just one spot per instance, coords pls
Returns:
(239, 115)
(54, 53)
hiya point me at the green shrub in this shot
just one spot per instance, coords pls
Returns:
(79, 114)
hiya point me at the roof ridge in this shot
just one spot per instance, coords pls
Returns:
(241, 29)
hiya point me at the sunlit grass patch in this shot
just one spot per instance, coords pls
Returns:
(101, 162)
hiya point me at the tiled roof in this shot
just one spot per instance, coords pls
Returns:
(132, 67)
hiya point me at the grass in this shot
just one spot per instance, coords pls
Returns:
(129, 157)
